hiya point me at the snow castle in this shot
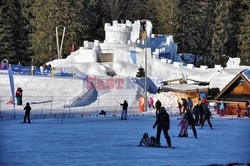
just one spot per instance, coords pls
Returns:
(127, 42)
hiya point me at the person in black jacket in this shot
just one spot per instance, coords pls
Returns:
(207, 116)
(27, 109)
(124, 110)
(196, 111)
(191, 121)
(158, 107)
(162, 122)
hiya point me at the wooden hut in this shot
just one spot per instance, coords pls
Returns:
(237, 91)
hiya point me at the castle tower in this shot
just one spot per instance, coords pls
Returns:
(118, 33)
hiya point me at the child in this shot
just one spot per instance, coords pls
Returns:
(184, 125)
(150, 142)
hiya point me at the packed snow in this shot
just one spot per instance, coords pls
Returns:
(93, 140)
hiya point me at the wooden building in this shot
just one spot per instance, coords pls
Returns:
(186, 90)
(237, 91)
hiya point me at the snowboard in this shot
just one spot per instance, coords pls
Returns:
(157, 147)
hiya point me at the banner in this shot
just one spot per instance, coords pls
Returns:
(12, 86)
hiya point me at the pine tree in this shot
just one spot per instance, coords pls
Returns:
(244, 36)
(226, 30)
(140, 73)
(50, 14)
(165, 16)
(13, 35)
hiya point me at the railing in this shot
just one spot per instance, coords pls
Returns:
(61, 106)
(42, 71)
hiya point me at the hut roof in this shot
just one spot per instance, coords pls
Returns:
(225, 94)
(186, 88)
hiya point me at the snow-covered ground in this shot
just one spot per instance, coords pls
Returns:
(110, 141)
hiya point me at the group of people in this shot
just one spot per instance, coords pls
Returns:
(192, 117)
(186, 104)
(195, 117)
(46, 68)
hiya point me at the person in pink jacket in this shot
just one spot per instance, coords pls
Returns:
(151, 102)
(184, 125)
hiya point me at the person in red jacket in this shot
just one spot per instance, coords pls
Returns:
(19, 96)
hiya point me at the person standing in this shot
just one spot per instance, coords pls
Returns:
(191, 121)
(207, 116)
(21, 95)
(203, 100)
(184, 105)
(238, 110)
(163, 123)
(201, 111)
(158, 107)
(18, 96)
(27, 109)
(179, 106)
(196, 114)
(190, 103)
(151, 102)
(124, 110)
(222, 109)
(184, 125)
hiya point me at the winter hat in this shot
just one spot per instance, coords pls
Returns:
(145, 135)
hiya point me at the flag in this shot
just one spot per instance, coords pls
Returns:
(11, 78)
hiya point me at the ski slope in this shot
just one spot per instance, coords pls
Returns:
(110, 141)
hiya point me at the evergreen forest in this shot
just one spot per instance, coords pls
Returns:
(209, 29)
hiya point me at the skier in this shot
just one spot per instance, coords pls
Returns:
(162, 122)
(191, 121)
(158, 107)
(27, 109)
(207, 116)
(184, 125)
(124, 110)
(151, 142)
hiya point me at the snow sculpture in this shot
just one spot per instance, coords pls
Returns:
(233, 62)
(118, 33)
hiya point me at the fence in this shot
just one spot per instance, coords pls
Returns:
(61, 106)
(44, 71)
